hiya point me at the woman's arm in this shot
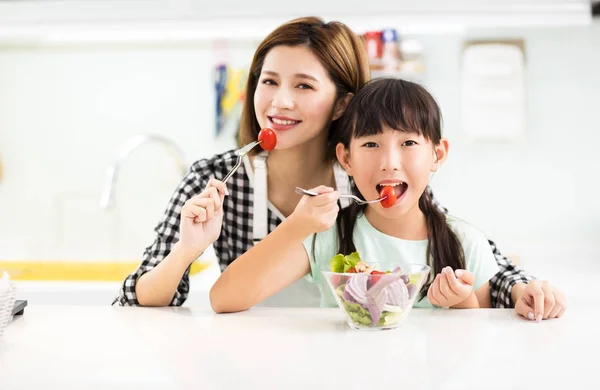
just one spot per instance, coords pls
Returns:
(163, 276)
(161, 284)
(501, 284)
(271, 265)
(278, 260)
(173, 272)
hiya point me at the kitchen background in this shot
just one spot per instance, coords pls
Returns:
(70, 105)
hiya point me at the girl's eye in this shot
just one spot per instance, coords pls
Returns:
(370, 145)
(305, 86)
(268, 82)
(409, 143)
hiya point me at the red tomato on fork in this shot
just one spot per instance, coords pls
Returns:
(268, 138)
(389, 193)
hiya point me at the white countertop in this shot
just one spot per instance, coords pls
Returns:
(101, 347)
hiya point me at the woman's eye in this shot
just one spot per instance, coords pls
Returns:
(370, 145)
(268, 82)
(409, 143)
(305, 86)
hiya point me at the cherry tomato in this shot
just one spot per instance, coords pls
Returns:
(390, 193)
(374, 278)
(268, 138)
(336, 280)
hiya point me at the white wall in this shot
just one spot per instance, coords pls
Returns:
(65, 110)
(537, 200)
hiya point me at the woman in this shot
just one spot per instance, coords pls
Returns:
(301, 78)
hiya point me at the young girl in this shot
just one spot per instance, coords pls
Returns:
(390, 135)
(397, 142)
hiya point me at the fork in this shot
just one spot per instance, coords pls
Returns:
(358, 200)
(240, 153)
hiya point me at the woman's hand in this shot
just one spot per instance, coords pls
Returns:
(201, 219)
(317, 213)
(538, 300)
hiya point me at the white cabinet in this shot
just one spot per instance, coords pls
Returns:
(78, 11)
(204, 19)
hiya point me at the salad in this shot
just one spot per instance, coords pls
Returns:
(372, 297)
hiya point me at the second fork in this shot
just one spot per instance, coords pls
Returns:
(302, 191)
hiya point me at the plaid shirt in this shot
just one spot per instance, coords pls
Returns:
(236, 234)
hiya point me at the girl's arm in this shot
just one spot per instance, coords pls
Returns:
(454, 289)
(278, 260)
(479, 298)
(483, 295)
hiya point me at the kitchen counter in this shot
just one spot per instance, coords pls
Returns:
(103, 347)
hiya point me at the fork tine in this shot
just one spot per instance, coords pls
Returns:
(241, 153)
(245, 149)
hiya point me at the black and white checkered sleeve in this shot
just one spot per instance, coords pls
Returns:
(502, 283)
(509, 274)
(167, 234)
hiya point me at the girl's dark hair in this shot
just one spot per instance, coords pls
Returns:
(407, 107)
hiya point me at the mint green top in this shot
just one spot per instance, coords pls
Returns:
(373, 245)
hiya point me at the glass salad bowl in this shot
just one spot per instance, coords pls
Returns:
(377, 295)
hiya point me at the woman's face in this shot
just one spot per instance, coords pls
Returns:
(295, 96)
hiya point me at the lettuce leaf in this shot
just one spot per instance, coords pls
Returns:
(337, 263)
(341, 263)
(353, 258)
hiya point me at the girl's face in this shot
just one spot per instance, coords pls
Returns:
(393, 158)
(295, 96)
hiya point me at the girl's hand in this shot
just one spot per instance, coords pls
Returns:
(201, 219)
(451, 288)
(317, 213)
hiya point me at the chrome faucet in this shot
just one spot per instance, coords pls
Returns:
(107, 201)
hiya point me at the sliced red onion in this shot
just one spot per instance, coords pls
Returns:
(357, 288)
(375, 304)
(377, 296)
(347, 297)
(397, 294)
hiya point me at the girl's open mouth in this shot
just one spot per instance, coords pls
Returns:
(400, 188)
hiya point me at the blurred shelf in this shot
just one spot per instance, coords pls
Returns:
(416, 77)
